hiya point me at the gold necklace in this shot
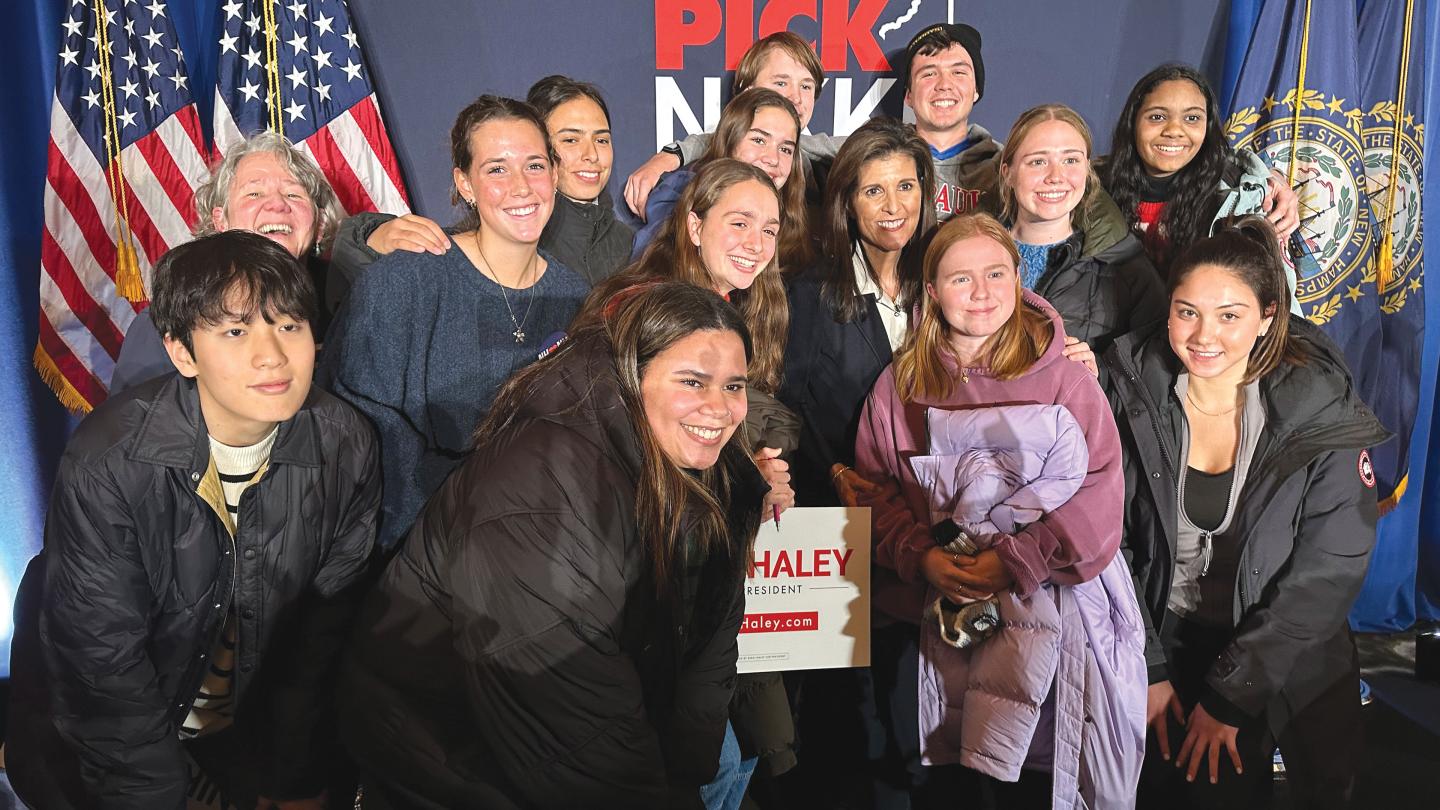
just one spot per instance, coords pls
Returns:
(519, 325)
(1191, 400)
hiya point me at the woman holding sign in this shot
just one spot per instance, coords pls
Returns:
(1051, 708)
(550, 635)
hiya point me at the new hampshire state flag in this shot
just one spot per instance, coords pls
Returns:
(1392, 34)
(1297, 103)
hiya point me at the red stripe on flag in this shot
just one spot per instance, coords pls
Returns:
(190, 122)
(353, 196)
(167, 171)
(77, 201)
(151, 241)
(367, 117)
(86, 384)
(77, 296)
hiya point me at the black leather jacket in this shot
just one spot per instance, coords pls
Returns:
(118, 614)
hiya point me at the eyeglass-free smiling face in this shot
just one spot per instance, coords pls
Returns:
(581, 135)
(510, 180)
(737, 237)
(1170, 127)
(694, 396)
(266, 198)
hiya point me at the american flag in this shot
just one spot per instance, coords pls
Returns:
(125, 157)
(297, 69)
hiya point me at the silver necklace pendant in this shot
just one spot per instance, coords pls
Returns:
(519, 334)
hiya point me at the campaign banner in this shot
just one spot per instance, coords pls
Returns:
(807, 596)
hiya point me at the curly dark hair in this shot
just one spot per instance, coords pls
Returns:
(1186, 217)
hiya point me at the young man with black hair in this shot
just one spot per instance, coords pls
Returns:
(206, 536)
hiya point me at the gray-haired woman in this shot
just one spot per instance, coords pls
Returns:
(265, 185)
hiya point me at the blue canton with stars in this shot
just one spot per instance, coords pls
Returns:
(147, 71)
(321, 72)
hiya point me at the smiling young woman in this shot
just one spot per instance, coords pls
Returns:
(583, 232)
(759, 127)
(1172, 170)
(1045, 183)
(982, 343)
(426, 340)
(1250, 517)
(571, 643)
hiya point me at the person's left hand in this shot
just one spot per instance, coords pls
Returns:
(409, 232)
(1079, 351)
(317, 803)
(855, 489)
(1281, 206)
(1204, 739)
(983, 572)
(777, 474)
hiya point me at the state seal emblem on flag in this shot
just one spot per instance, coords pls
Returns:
(1324, 159)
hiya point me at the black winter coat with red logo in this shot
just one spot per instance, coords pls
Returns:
(1304, 521)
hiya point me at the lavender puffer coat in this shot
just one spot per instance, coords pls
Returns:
(990, 707)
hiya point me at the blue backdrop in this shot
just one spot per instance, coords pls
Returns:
(429, 57)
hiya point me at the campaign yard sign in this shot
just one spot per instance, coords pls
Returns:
(807, 596)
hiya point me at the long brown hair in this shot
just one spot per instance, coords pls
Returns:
(735, 122)
(671, 255)
(1248, 249)
(640, 326)
(1027, 121)
(920, 371)
(877, 139)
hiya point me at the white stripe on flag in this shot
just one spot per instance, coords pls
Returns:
(227, 134)
(182, 150)
(366, 165)
(85, 166)
(172, 224)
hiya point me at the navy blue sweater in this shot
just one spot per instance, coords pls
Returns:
(421, 347)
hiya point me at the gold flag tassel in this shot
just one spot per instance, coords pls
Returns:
(50, 374)
(272, 67)
(128, 281)
(1386, 272)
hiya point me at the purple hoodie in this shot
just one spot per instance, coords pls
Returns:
(1071, 620)
(1069, 545)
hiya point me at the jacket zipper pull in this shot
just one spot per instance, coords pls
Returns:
(1207, 553)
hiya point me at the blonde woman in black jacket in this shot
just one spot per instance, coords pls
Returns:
(1250, 518)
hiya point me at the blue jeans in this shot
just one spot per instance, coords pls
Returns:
(728, 789)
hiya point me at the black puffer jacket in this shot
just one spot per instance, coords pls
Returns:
(1102, 295)
(514, 653)
(1305, 520)
(117, 616)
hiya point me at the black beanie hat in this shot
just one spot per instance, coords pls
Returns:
(944, 34)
